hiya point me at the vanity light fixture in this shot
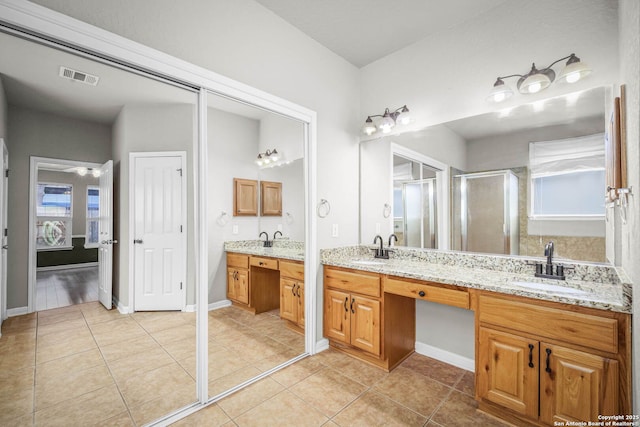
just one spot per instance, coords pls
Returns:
(387, 121)
(538, 79)
(82, 171)
(271, 158)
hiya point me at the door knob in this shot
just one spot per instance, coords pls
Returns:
(5, 247)
(108, 242)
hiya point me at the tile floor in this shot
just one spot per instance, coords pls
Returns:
(60, 288)
(83, 365)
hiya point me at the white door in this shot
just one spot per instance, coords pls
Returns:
(4, 188)
(159, 236)
(105, 235)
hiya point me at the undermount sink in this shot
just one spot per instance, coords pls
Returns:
(368, 262)
(550, 288)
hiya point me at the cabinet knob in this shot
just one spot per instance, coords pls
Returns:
(421, 293)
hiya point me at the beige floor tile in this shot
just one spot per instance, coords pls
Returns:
(328, 391)
(116, 331)
(298, 371)
(189, 365)
(88, 409)
(138, 364)
(158, 321)
(416, 392)
(467, 384)
(373, 409)
(461, 409)
(62, 326)
(18, 404)
(121, 420)
(52, 390)
(181, 349)
(21, 358)
(249, 397)
(359, 371)
(56, 315)
(278, 359)
(231, 380)
(210, 416)
(57, 337)
(19, 323)
(224, 362)
(175, 333)
(162, 404)
(129, 347)
(15, 380)
(64, 365)
(69, 344)
(433, 368)
(99, 314)
(158, 382)
(284, 409)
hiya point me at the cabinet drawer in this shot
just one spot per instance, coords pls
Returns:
(578, 328)
(292, 270)
(237, 260)
(353, 281)
(269, 263)
(432, 293)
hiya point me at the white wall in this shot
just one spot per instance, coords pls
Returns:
(629, 35)
(148, 129)
(33, 133)
(292, 178)
(284, 134)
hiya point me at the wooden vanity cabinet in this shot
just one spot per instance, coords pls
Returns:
(270, 198)
(544, 363)
(292, 293)
(245, 197)
(361, 320)
(238, 278)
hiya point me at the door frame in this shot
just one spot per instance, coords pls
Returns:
(34, 162)
(132, 171)
(4, 212)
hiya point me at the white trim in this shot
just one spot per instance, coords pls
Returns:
(322, 345)
(18, 311)
(55, 248)
(443, 179)
(34, 161)
(123, 309)
(445, 356)
(185, 231)
(68, 266)
(189, 308)
(219, 304)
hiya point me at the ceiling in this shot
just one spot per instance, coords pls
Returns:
(363, 31)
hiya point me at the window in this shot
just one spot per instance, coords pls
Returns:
(54, 216)
(567, 178)
(93, 220)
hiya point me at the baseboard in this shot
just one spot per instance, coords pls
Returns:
(123, 309)
(67, 266)
(219, 304)
(18, 311)
(445, 356)
(321, 345)
(189, 308)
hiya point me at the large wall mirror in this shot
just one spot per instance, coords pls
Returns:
(516, 179)
(251, 336)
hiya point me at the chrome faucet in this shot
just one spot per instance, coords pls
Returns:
(267, 243)
(548, 268)
(277, 232)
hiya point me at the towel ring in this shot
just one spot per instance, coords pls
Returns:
(288, 217)
(324, 208)
(386, 211)
(223, 219)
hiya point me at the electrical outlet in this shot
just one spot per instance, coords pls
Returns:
(377, 228)
(234, 229)
(334, 230)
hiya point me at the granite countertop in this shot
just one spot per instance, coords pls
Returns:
(595, 286)
(285, 249)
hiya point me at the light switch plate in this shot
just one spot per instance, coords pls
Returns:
(334, 230)
(234, 229)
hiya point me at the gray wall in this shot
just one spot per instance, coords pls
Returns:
(150, 129)
(33, 133)
(79, 195)
(3, 111)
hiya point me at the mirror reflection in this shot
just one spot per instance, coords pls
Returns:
(516, 179)
(256, 242)
(100, 332)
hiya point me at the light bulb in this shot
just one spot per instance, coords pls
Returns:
(82, 171)
(96, 173)
(534, 87)
(572, 78)
(499, 97)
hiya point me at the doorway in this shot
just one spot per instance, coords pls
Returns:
(70, 233)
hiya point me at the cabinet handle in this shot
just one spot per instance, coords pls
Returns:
(421, 293)
(548, 368)
(531, 355)
(352, 301)
(293, 290)
(298, 291)
(346, 299)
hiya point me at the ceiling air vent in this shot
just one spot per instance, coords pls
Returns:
(78, 76)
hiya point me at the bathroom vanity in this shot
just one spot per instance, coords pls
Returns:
(546, 351)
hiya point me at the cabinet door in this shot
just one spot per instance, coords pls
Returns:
(242, 286)
(365, 323)
(231, 283)
(336, 316)
(271, 198)
(245, 197)
(300, 295)
(508, 371)
(288, 300)
(576, 386)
